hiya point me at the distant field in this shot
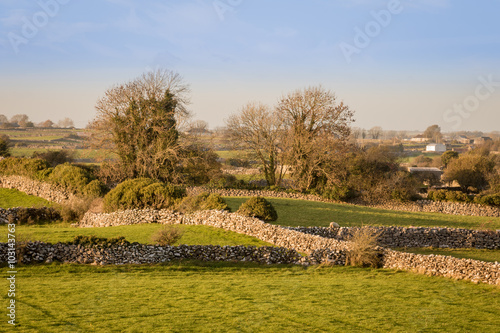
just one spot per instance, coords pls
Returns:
(241, 297)
(10, 198)
(309, 213)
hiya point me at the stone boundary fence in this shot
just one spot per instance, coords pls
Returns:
(37, 188)
(416, 236)
(320, 249)
(428, 206)
(134, 253)
(14, 214)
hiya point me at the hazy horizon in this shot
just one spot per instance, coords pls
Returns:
(401, 65)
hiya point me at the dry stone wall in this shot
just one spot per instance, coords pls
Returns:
(417, 236)
(15, 214)
(38, 252)
(37, 188)
(446, 266)
(326, 248)
(454, 208)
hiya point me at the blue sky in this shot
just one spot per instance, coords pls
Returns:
(421, 62)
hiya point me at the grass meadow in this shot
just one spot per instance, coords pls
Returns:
(238, 297)
(194, 296)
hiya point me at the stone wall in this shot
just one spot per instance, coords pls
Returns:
(321, 249)
(417, 236)
(220, 219)
(37, 188)
(14, 214)
(38, 252)
(454, 208)
(446, 266)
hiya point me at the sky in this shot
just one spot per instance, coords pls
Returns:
(401, 65)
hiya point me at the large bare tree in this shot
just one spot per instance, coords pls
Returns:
(318, 126)
(259, 129)
(138, 120)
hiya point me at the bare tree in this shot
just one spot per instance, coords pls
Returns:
(19, 118)
(46, 124)
(375, 132)
(138, 121)
(66, 123)
(259, 129)
(3, 119)
(317, 126)
(198, 127)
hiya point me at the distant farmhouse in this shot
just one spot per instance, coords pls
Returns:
(465, 140)
(481, 140)
(436, 147)
(419, 138)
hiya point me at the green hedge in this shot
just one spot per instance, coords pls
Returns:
(452, 196)
(142, 193)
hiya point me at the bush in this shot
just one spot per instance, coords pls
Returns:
(490, 200)
(142, 193)
(339, 193)
(364, 251)
(98, 241)
(36, 215)
(55, 157)
(95, 189)
(202, 201)
(444, 195)
(29, 167)
(260, 208)
(167, 235)
(74, 210)
(71, 177)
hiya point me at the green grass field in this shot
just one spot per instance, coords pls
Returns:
(295, 213)
(192, 235)
(238, 297)
(10, 198)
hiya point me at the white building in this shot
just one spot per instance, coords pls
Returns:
(436, 147)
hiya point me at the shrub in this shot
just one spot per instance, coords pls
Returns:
(75, 209)
(444, 195)
(167, 235)
(364, 250)
(339, 193)
(260, 208)
(202, 201)
(98, 241)
(55, 157)
(35, 215)
(142, 193)
(490, 200)
(95, 189)
(71, 177)
(30, 167)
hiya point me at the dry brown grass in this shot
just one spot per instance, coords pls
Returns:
(167, 235)
(364, 250)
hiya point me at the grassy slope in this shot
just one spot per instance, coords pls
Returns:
(10, 198)
(308, 213)
(224, 297)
